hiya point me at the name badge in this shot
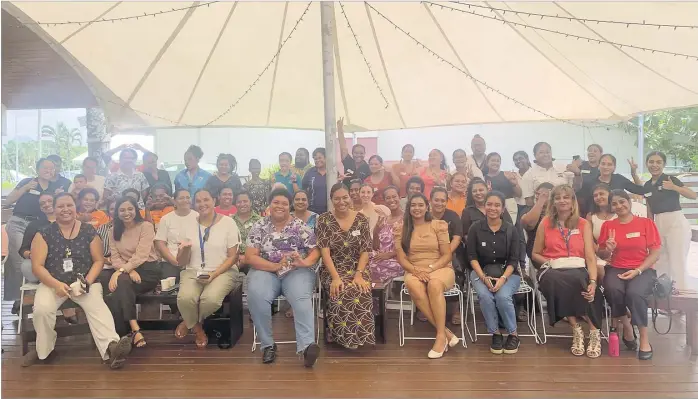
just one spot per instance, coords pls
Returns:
(632, 235)
(350, 172)
(648, 195)
(34, 192)
(484, 244)
(574, 231)
(585, 172)
(67, 265)
(355, 233)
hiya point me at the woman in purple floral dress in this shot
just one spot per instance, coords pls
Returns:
(383, 263)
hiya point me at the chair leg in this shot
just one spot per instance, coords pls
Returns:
(462, 323)
(401, 322)
(21, 310)
(542, 316)
(254, 338)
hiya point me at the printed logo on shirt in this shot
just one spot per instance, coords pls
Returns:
(584, 171)
(484, 244)
(633, 235)
(648, 195)
(34, 192)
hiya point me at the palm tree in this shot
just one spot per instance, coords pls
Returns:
(64, 140)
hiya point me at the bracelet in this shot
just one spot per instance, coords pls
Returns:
(592, 281)
(639, 271)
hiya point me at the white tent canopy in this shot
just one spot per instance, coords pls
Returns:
(397, 65)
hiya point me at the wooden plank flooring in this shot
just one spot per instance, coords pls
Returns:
(170, 368)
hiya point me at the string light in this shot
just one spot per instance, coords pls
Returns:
(584, 20)
(474, 79)
(266, 68)
(119, 19)
(368, 65)
(567, 35)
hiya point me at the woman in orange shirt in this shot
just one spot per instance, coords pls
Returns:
(456, 197)
(406, 168)
(434, 174)
(87, 207)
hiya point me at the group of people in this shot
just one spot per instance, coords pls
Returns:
(438, 228)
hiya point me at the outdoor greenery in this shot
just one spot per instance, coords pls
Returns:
(674, 132)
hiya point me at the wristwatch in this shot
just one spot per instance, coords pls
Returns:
(639, 271)
(122, 270)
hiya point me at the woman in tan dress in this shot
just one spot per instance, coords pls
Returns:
(424, 252)
(345, 241)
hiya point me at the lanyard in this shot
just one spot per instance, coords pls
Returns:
(204, 238)
(68, 252)
(566, 237)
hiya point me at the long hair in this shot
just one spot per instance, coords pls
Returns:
(469, 200)
(408, 225)
(595, 208)
(118, 223)
(551, 213)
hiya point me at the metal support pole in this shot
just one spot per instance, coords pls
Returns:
(38, 123)
(327, 29)
(640, 144)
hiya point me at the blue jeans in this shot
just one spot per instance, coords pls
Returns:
(27, 271)
(499, 305)
(297, 286)
(16, 227)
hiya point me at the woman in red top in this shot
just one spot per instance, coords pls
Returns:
(564, 246)
(379, 179)
(631, 245)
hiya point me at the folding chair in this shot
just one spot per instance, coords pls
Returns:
(24, 288)
(454, 291)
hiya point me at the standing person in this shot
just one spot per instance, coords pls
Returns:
(244, 219)
(407, 168)
(434, 174)
(544, 171)
(300, 209)
(475, 209)
(87, 208)
(89, 169)
(413, 186)
(585, 174)
(457, 194)
(225, 205)
(282, 252)
(25, 197)
(493, 248)
(368, 208)
(506, 183)
(135, 268)
(158, 204)
(302, 163)
(523, 164)
(355, 166)
(193, 178)
(379, 179)
(257, 187)
(600, 213)
(615, 181)
(383, 263)
(173, 229)
(477, 144)
(465, 164)
(227, 165)
(564, 245)
(285, 175)
(355, 194)
(67, 259)
(153, 174)
(663, 203)
(631, 245)
(209, 273)
(345, 242)
(424, 252)
(58, 178)
(126, 177)
(315, 182)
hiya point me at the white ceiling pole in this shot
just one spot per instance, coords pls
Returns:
(640, 144)
(327, 31)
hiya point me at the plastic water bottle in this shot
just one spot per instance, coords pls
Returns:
(613, 344)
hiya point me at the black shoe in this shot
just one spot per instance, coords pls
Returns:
(497, 344)
(522, 315)
(310, 355)
(631, 344)
(642, 355)
(118, 351)
(15, 308)
(512, 344)
(269, 354)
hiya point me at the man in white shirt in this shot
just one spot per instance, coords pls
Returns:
(543, 171)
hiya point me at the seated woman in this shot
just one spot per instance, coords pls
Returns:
(300, 209)
(244, 219)
(600, 213)
(104, 232)
(281, 251)
(225, 202)
(344, 241)
(531, 218)
(134, 266)
(372, 211)
(87, 208)
(46, 206)
(424, 252)
(493, 252)
(383, 263)
(174, 227)
(210, 273)
(631, 244)
(564, 246)
(158, 204)
(67, 258)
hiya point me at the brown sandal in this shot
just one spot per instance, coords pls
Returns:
(201, 338)
(138, 343)
(181, 331)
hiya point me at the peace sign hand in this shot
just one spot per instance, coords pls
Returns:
(633, 165)
(512, 177)
(611, 241)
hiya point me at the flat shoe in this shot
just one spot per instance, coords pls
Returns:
(642, 355)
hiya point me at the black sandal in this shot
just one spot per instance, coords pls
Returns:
(137, 344)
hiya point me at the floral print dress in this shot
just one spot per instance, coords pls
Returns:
(388, 269)
(296, 236)
(350, 314)
(259, 193)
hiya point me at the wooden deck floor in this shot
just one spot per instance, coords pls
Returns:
(169, 368)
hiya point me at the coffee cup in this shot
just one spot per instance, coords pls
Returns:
(76, 289)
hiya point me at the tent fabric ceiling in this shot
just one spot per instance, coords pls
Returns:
(398, 65)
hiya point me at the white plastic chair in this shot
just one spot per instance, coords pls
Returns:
(454, 291)
(25, 287)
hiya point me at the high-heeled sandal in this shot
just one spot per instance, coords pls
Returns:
(577, 340)
(437, 355)
(594, 348)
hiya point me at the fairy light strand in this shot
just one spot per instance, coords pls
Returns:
(567, 35)
(361, 50)
(584, 20)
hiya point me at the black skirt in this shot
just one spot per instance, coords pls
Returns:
(562, 289)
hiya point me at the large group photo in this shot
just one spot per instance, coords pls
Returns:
(363, 215)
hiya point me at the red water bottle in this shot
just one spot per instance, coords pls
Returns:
(613, 344)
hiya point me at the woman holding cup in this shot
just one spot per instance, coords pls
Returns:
(174, 227)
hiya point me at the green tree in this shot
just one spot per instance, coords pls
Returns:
(27, 153)
(67, 143)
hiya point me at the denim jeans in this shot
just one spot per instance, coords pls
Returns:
(27, 271)
(297, 286)
(16, 227)
(499, 305)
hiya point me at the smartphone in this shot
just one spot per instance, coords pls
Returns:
(203, 276)
(576, 158)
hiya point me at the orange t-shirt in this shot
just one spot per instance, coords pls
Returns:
(99, 218)
(157, 214)
(456, 204)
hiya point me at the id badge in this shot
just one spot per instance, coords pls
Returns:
(34, 192)
(67, 265)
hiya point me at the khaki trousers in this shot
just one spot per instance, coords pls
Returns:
(197, 301)
(100, 320)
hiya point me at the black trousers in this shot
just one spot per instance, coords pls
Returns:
(631, 294)
(122, 302)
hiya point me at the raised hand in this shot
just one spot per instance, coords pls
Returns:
(633, 165)
(611, 241)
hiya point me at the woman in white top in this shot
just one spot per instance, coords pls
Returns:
(544, 171)
(173, 228)
(209, 256)
(369, 209)
(600, 213)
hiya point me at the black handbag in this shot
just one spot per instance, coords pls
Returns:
(218, 330)
(493, 270)
(662, 289)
